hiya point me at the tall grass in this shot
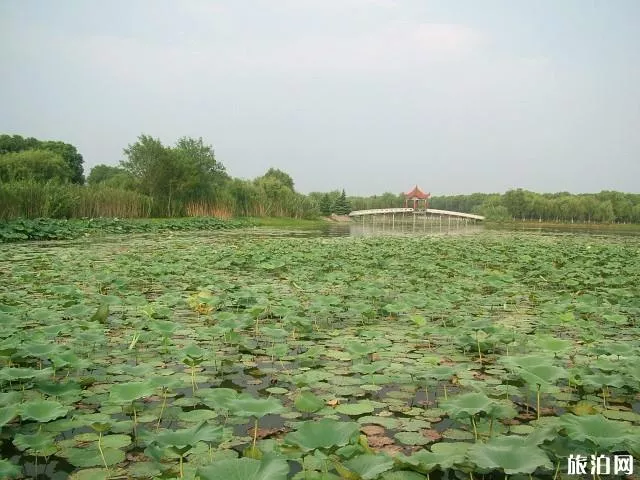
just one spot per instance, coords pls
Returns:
(30, 199)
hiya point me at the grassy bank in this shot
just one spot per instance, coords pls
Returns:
(530, 224)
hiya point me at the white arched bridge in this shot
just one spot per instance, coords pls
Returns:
(428, 211)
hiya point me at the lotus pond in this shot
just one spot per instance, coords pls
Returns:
(211, 356)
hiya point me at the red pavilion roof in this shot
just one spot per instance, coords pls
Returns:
(417, 193)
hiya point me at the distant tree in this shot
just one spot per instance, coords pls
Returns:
(342, 205)
(34, 165)
(157, 169)
(102, 173)
(17, 143)
(281, 176)
(604, 212)
(325, 205)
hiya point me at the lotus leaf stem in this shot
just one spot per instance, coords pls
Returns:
(255, 434)
(164, 404)
(538, 402)
(475, 429)
(104, 460)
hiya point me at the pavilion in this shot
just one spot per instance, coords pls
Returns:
(416, 195)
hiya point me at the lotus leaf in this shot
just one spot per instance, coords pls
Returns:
(325, 433)
(468, 404)
(42, 410)
(511, 454)
(369, 466)
(9, 470)
(189, 436)
(91, 457)
(442, 455)
(308, 402)
(268, 468)
(7, 414)
(247, 406)
(129, 392)
(605, 435)
(355, 409)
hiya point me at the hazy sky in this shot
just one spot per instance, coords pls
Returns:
(368, 95)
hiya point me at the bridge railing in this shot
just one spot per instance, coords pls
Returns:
(377, 211)
(381, 211)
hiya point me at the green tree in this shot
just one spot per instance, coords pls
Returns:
(34, 165)
(102, 173)
(17, 143)
(342, 205)
(604, 212)
(325, 205)
(284, 178)
(157, 169)
(203, 174)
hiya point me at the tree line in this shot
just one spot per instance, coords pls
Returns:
(519, 204)
(42, 178)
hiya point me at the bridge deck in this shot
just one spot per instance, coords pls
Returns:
(383, 211)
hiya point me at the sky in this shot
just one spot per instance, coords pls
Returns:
(457, 96)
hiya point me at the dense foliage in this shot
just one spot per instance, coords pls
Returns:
(41, 179)
(232, 357)
(52, 229)
(69, 153)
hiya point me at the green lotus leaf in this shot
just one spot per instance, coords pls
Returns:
(9, 398)
(90, 474)
(7, 414)
(468, 404)
(129, 392)
(43, 410)
(526, 361)
(509, 453)
(441, 372)
(218, 398)
(604, 434)
(38, 442)
(402, 475)
(542, 375)
(599, 379)
(275, 333)
(369, 466)
(359, 408)
(56, 389)
(553, 344)
(325, 433)
(247, 406)
(194, 351)
(40, 350)
(90, 456)
(163, 327)
(9, 470)
(116, 441)
(412, 438)
(442, 455)
(189, 436)
(268, 468)
(308, 402)
(19, 373)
